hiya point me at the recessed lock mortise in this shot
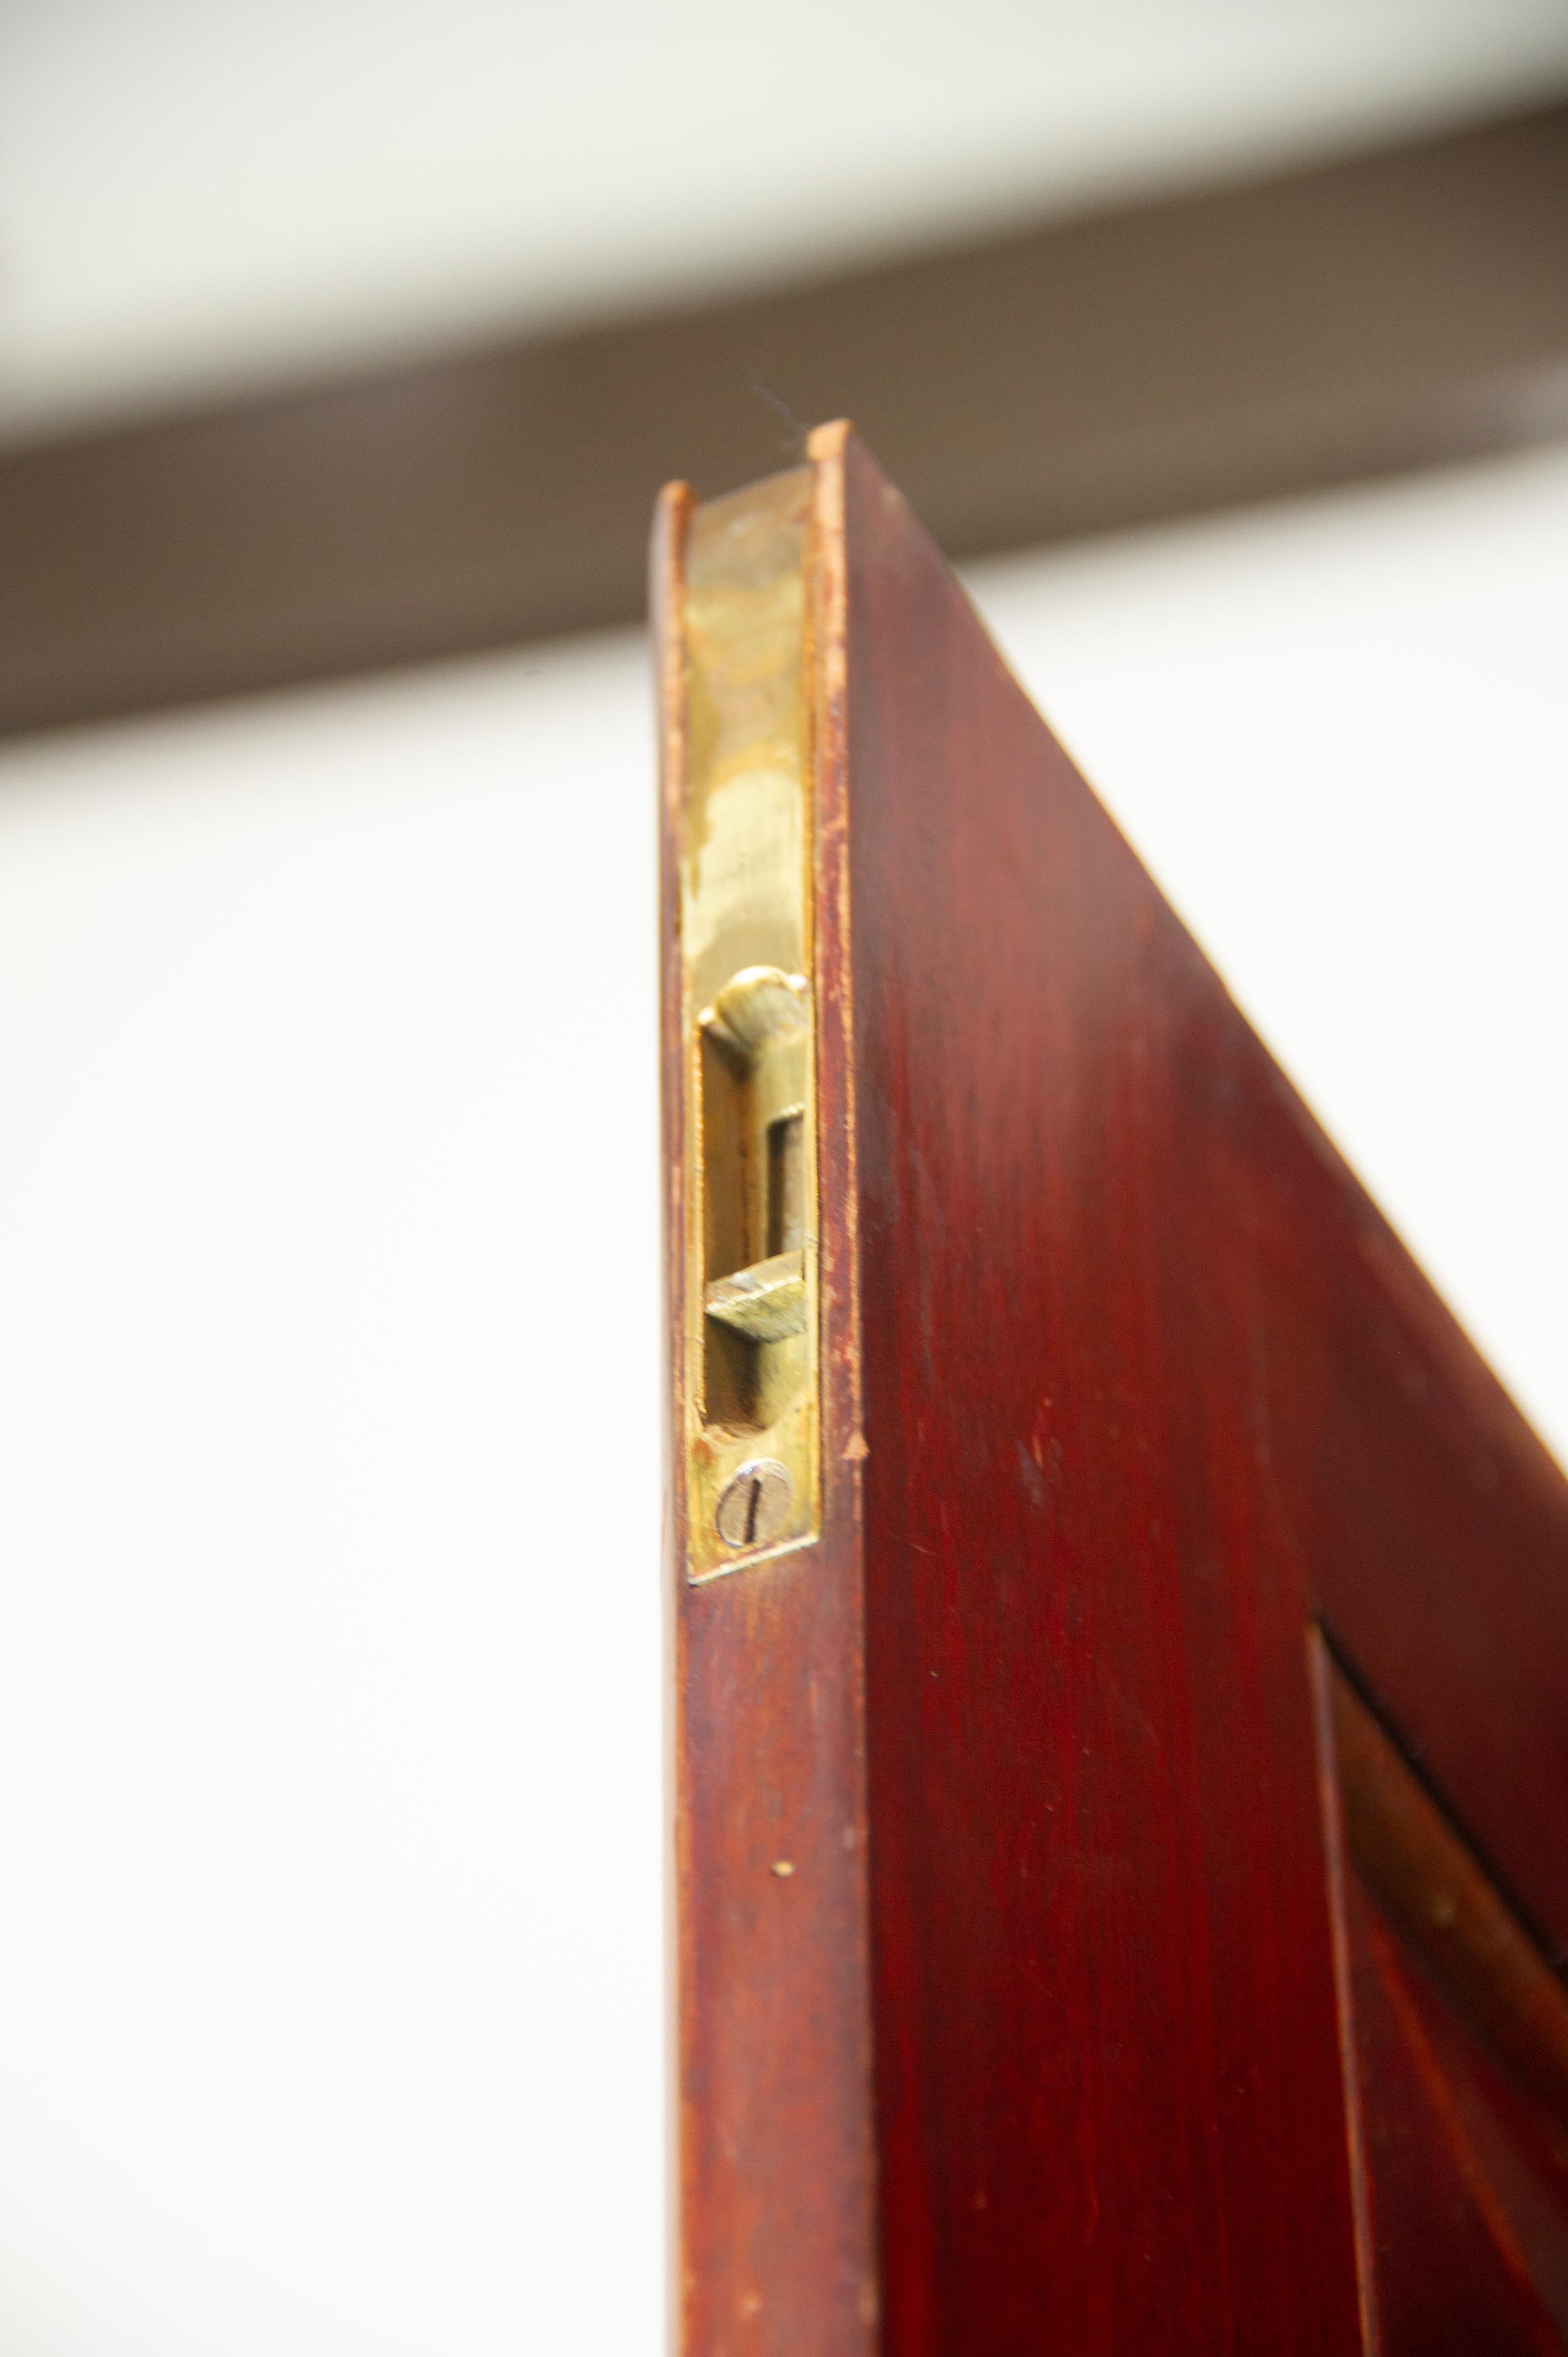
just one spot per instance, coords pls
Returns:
(756, 1042)
(743, 812)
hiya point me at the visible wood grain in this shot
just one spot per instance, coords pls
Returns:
(1468, 2182)
(1430, 1884)
(1108, 2097)
(776, 2244)
(1323, 1672)
(1129, 1385)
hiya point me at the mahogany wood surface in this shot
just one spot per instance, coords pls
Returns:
(776, 2250)
(1108, 2082)
(1453, 1917)
(1469, 2179)
(1039, 2046)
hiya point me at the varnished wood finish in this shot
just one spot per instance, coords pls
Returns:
(1437, 1526)
(1104, 1979)
(776, 2240)
(1453, 2025)
(1145, 1390)
(1316, 326)
(1428, 1881)
(1469, 2179)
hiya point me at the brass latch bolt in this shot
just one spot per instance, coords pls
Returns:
(754, 1142)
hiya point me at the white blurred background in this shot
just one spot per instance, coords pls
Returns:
(199, 193)
(331, 1679)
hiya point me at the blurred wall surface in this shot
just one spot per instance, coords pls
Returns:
(196, 197)
(331, 1996)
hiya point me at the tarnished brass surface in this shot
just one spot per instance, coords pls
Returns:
(767, 1301)
(750, 1313)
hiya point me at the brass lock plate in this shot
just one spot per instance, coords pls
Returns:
(747, 1389)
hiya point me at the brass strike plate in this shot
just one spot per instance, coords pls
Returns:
(748, 1396)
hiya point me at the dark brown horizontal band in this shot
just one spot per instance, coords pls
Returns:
(1320, 327)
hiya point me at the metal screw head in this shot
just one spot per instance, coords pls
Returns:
(755, 1506)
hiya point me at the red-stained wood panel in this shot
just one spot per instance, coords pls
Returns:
(776, 2242)
(1468, 2179)
(1109, 2095)
(1127, 1386)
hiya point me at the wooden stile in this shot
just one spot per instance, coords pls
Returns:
(1042, 1982)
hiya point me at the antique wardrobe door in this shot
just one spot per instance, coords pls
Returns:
(1120, 1628)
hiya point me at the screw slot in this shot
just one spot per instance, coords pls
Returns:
(756, 1504)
